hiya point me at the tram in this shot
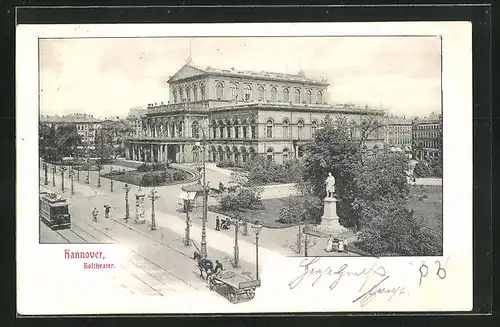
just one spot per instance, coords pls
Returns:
(54, 210)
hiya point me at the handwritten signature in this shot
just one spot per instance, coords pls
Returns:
(376, 272)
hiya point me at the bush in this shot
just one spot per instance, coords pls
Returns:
(159, 166)
(154, 178)
(241, 198)
(303, 208)
(179, 175)
(422, 170)
(225, 164)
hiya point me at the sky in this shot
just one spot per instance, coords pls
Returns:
(108, 76)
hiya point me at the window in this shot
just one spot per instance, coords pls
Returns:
(270, 154)
(300, 152)
(319, 97)
(245, 132)
(195, 131)
(234, 91)
(236, 132)
(181, 94)
(175, 95)
(248, 92)
(254, 134)
(219, 91)
(300, 129)
(202, 92)
(297, 96)
(195, 93)
(309, 96)
(228, 128)
(285, 154)
(286, 95)
(188, 94)
(261, 93)
(273, 94)
(314, 127)
(269, 129)
(221, 132)
(285, 129)
(214, 131)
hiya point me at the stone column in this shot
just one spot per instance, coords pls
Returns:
(151, 153)
(166, 152)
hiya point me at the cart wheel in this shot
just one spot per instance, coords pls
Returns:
(251, 293)
(232, 297)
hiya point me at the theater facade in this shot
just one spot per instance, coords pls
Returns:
(239, 114)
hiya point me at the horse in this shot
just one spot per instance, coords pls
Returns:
(204, 264)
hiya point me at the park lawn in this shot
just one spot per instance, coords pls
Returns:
(127, 164)
(429, 211)
(134, 177)
(266, 217)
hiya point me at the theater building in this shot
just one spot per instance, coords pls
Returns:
(240, 114)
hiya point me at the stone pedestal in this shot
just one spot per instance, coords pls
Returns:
(139, 207)
(330, 219)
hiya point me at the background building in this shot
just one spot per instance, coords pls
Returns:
(427, 138)
(86, 125)
(135, 117)
(242, 114)
(399, 134)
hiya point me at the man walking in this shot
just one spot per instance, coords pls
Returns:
(106, 211)
(95, 214)
(217, 223)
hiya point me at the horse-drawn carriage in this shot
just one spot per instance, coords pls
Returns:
(235, 284)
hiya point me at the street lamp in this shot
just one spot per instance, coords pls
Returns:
(203, 249)
(236, 262)
(62, 169)
(71, 174)
(53, 175)
(153, 197)
(111, 179)
(46, 181)
(256, 229)
(99, 175)
(127, 213)
(187, 240)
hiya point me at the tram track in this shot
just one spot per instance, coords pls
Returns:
(142, 257)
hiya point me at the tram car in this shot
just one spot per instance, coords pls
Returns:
(54, 210)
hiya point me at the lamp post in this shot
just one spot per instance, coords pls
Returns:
(111, 179)
(256, 229)
(78, 173)
(99, 175)
(187, 239)
(127, 213)
(71, 174)
(299, 239)
(236, 262)
(203, 249)
(53, 175)
(62, 169)
(45, 181)
(153, 197)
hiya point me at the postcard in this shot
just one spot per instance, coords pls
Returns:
(243, 168)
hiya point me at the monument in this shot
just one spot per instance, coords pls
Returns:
(330, 219)
(139, 207)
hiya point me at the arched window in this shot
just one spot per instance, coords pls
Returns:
(309, 96)
(273, 94)
(319, 97)
(314, 127)
(285, 154)
(286, 95)
(297, 96)
(269, 129)
(196, 153)
(234, 91)
(248, 92)
(270, 154)
(174, 93)
(219, 91)
(195, 93)
(300, 152)
(261, 93)
(286, 126)
(300, 129)
(188, 93)
(181, 94)
(228, 129)
(195, 131)
(202, 92)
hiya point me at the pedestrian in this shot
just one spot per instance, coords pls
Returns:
(106, 211)
(95, 214)
(217, 223)
(329, 244)
(341, 246)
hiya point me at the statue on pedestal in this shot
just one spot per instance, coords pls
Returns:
(330, 185)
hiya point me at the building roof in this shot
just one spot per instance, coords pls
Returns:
(72, 118)
(261, 74)
(399, 121)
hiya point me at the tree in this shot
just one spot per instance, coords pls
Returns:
(305, 208)
(47, 142)
(240, 195)
(67, 140)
